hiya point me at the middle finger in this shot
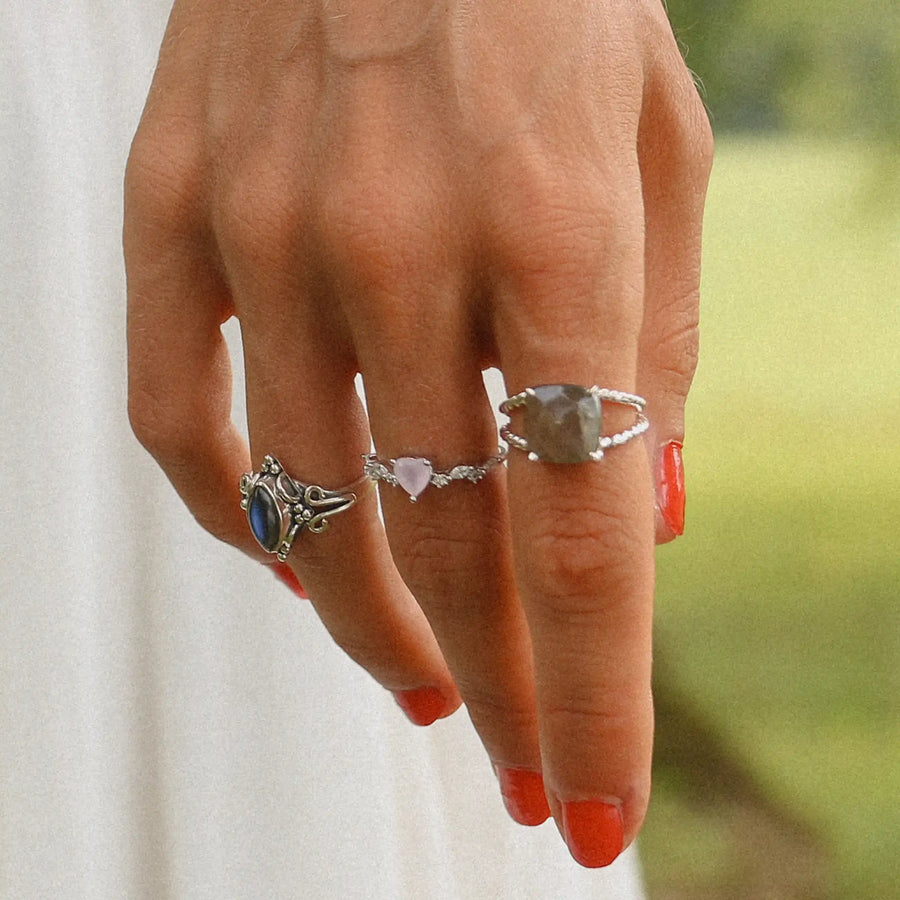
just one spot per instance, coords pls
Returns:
(452, 548)
(426, 400)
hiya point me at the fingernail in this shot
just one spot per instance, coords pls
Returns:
(523, 795)
(671, 487)
(285, 574)
(593, 831)
(422, 705)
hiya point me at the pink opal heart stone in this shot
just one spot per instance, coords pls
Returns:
(413, 475)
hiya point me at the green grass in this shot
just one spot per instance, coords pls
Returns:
(779, 611)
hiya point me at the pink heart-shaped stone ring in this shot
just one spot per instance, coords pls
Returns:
(415, 473)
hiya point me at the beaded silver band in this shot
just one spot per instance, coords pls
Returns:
(415, 473)
(279, 507)
(600, 393)
(593, 444)
(612, 440)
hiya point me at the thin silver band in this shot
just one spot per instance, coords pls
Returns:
(607, 441)
(600, 393)
(423, 473)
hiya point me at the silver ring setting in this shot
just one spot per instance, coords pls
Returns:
(279, 508)
(415, 473)
(563, 422)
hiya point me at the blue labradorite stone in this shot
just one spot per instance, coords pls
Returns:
(562, 422)
(265, 519)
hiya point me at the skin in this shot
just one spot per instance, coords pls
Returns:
(417, 190)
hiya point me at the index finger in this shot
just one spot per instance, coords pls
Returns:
(179, 367)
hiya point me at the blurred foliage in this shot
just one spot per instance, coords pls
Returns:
(828, 67)
(778, 628)
(777, 620)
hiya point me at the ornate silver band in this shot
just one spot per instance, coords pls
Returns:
(415, 473)
(563, 422)
(279, 508)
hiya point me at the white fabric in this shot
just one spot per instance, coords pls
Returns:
(173, 723)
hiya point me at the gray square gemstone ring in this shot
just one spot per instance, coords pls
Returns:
(563, 423)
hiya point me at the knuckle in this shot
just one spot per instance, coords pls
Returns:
(169, 430)
(485, 705)
(258, 214)
(562, 240)
(692, 138)
(495, 717)
(361, 650)
(147, 423)
(313, 563)
(685, 137)
(380, 228)
(703, 138)
(580, 715)
(676, 108)
(676, 347)
(208, 515)
(612, 712)
(369, 648)
(165, 173)
(438, 561)
(573, 565)
(175, 442)
(152, 429)
(681, 347)
(549, 222)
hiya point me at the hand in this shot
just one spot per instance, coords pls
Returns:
(417, 190)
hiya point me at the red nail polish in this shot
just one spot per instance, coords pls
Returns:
(523, 795)
(671, 487)
(422, 705)
(593, 831)
(285, 574)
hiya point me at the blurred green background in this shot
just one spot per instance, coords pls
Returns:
(778, 626)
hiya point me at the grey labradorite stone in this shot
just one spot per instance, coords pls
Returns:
(562, 422)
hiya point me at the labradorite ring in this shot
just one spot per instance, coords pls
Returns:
(563, 423)
(279, 507)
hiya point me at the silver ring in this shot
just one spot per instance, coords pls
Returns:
(279, 508)
(415, 473)
(563, 422)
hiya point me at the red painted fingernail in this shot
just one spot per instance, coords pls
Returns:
(671, 487)
(285, 574)
(593, 830)
(422, 705)
(523, 795)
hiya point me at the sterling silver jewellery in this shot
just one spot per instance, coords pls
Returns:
(279, 508)
(563, 422)
(414, 473)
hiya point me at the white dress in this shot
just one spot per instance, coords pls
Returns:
(173, 722)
